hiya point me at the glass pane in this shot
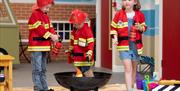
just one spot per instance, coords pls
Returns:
(67, 34)
(71, 26)
(61, 34)
(67, 26)
(55, 26)
(61, 26)
(4, 15)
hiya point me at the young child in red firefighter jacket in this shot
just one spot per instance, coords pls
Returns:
(82, 44)
(127, 27)
(41, 33)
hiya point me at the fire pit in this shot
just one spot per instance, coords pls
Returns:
(67, 80)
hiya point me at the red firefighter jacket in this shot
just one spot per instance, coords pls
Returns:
(119, 27)
(40, 29)
(82, 43)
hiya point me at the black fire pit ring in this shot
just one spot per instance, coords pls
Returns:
(67, 80)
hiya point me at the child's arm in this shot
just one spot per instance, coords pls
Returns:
(90, 43)
(141, 26)
(39, 27)
(113, 31)
(114, 22)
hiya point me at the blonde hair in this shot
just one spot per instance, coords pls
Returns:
(136, 7)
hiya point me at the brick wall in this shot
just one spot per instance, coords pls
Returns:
(3, 12)
(58, 12)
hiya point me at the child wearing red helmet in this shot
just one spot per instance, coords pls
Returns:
(41, 33)
(82, 44)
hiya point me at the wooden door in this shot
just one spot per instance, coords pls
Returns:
(171, 39)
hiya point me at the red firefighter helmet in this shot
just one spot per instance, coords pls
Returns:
(77, 16)
(41, 3)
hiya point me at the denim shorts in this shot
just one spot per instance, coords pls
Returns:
(129, 55)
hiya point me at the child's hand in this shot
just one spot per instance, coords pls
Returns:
(139, 27)
(115, 40)
(54, 37)
(88, 57)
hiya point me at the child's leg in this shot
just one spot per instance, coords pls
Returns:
(128, 73)
(134, 70)
(89, 72)
(36, 70)
(43, 72)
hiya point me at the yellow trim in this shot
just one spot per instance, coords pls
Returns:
(82, 39)
(38, 48)
(113, 32)
(123, 48)
(46, 35)
(46, 26)
(89, 40)
(83, 63)
(140, 51)
(123, 25)
(75, 42)
(35, 25)
(113, 24)
(89, 52)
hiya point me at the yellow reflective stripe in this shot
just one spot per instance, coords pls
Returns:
(46, 35)
(140, 51)
(72, 37)
(38, 48)
(89, 40)
(35, 25)
(113, 24)
(46, 26)
(75, 42)
(114, 32)
(89, 52)
(82, 39)
(123, 25)
(122, 48)
(83, 63)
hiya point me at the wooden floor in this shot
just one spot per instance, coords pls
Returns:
(109, 87)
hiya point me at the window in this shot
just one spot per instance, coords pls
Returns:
(63, 29)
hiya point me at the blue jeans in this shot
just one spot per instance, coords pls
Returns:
(132, 54)
(39, 71)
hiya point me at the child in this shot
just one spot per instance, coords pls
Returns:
(82, 44)
(41, 33)
(127, 28)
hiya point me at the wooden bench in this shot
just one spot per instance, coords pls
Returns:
(6, 62)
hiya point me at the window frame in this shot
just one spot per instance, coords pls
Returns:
(64, 31)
